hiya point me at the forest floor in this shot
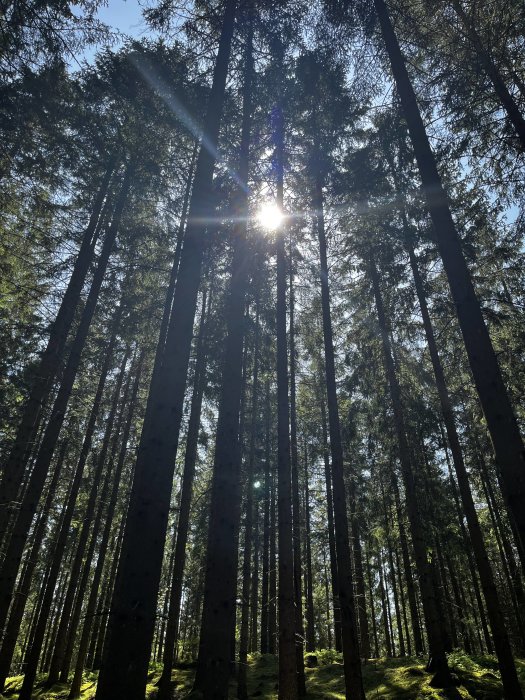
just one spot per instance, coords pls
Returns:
(404, 678)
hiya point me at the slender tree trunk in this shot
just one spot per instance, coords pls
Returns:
(98, 640)
(52, 356)
(188, 475)
(467, 546)
(18, 610)
(74, 691)
(242, 688)
(493, 395)
(500, 88)
(352, 662)
(62, 635)
(403, 602)
(58, 651)
(438, 659)
(272, 603)
(411, 589)
(265, 647)
(254, 604)
(132, 623)
(364, 636)
(331, 533)
(26, 577)
(310, 621)
(327, 603)
(296, 507)
(40, 471)
(56, 563)
(220, 587)
(497, 622)
(384, 606)
(372, 604)
(390, 554)
(288, 689)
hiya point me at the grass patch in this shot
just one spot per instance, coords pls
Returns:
(478, 678)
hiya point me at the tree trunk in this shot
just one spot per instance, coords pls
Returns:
(57, 656)
(352, 662)
(58, 554)
(45, 454)
(296, 507)
(497, 409)
(26, 577)
(220, 585)
(310, 621)
(132, 623)
(288, 689)
(495, 77)
(390, 554)
(497, 622)
(242, 689)
(384, 605)
(372, 605)
(186, 495)
(364, 636)
(438, 659)
(265, 647)
(411, 589)
(51, 357)
(18, 609)
(331, 533)
(75, 691)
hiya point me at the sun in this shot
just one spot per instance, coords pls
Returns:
(270, 216)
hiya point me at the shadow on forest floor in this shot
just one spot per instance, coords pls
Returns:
(477, 677)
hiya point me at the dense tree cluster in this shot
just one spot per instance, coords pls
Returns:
(262, 335)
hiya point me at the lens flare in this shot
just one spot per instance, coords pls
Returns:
(270, 216)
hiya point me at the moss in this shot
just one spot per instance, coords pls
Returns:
(405, 679)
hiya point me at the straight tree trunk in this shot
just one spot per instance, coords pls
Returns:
(56, 564)
(403, 602)
(468, 552)
(500, 88)
(98, 638)
(438, 659)
(52, 356)
(372, 605)
(490, 593)
(272, 603)
(493, 395)
(18, 610)
(26, 578)
(265, 647)
(310, 621)
(242, 688)
(254, 604)
(411, 589)
(75, 691)
(296, 507)
(40, 471)
(288, 689)
(364, 636)
(132, 623)
(384, 605)
(220, 585)
(188, 475)
(350, 640)
(331, 533)
(390, 554)
(62, 635)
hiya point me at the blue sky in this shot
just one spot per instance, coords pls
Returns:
(125, 15)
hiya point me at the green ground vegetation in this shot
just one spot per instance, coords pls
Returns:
(477, 677)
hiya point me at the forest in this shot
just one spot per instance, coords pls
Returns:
(262, 338)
